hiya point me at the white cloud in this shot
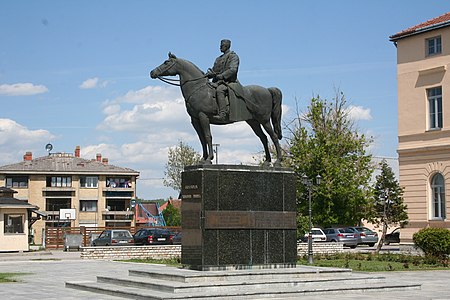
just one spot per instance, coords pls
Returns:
(145, 110)
(359, 113)
(92, 83)
(22, 89)
(21, 139)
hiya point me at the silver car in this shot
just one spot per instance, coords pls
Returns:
(365, 235)
(343, 235)
(114, 237)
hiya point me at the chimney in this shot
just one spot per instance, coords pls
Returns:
(28, 156)
(77, 151)
(99, 157)
(105, 161)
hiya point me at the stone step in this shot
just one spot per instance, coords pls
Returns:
(186, 275)
(228, 285)
(141, 293)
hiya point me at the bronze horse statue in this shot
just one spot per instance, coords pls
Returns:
(199, 95)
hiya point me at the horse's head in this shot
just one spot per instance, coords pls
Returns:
(167, 68)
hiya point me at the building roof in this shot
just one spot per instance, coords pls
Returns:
(435, 23)
(7, 201)
(62, 163)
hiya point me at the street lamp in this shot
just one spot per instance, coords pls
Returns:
(216, 151)
(309, 185)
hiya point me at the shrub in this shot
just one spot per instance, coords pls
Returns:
(433, 241)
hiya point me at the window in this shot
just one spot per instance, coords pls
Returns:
(17, 182)
(55, 204)
(88, 205)
(438, 196)
(433, 45)
(118, 182)
(59, 181)
(14, 223)
(435, 107)
(89, 181)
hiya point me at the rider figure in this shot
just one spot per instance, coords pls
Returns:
(224, 71)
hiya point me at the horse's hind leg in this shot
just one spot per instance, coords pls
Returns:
(268, 128)
(258, 131)
(201, 135)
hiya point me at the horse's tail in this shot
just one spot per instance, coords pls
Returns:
(276, 110)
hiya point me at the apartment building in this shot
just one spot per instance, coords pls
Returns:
(72, 191)
(423, 59)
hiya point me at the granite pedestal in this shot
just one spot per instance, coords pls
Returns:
(237, 217)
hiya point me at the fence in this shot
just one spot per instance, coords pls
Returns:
(54, 236)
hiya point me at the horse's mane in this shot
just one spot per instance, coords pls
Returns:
(192, 64)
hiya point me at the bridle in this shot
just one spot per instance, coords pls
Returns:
(175, 82)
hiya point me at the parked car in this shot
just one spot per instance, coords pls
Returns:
(114, 237)
(343, 235)
(393, 237)
(317, 235)
(153, 236)
(365, 236)
(177, 238)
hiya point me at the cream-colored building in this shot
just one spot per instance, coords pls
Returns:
(15, 217)
(72, 191)
(423, 62)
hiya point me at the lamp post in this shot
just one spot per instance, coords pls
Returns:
(309, 185)
(216, 151)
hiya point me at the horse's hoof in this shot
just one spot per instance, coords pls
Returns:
(206, 162)
(266, 164)
(277, 164)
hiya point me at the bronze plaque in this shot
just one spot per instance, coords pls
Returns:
(250, 220)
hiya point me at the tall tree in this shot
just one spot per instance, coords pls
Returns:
(324, 142)
(388, 208)
(172, 215)
(180, 156)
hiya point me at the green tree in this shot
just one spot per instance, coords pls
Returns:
(324, 142)
(180, 156)
(388, 208)
(172, 215)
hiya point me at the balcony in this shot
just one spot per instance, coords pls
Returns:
(118, 216)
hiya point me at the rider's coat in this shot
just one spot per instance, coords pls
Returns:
(227, 65)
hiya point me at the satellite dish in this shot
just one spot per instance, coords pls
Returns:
(48, 147)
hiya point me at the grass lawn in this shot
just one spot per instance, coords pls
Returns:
(9, 277)
(377, 262)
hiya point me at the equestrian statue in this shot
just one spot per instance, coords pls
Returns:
(224, 100)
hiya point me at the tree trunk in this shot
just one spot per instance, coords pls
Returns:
(383, 235)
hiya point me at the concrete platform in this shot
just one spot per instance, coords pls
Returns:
(174, 283)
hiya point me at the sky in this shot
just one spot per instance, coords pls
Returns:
(76, 73)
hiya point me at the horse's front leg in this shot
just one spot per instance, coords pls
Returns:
(201, 135)
(205, 127)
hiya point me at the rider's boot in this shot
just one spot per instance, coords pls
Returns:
(223, 108)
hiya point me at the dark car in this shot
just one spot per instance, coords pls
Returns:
(114, 237)
(177, 238)
(343, 235)
(153, 236)
(393, 237)
(365, 236)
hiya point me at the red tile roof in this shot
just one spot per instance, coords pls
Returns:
(441, 21)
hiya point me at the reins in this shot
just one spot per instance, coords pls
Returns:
(177, 82)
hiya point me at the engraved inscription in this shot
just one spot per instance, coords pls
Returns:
(191, 187)
(249, 220)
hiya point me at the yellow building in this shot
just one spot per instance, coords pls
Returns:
(72, 191)
(423, 59)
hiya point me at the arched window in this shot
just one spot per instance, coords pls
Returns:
(438, 196)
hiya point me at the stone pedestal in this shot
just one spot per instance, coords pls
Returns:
(238, 217)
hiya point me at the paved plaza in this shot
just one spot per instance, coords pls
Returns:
(49, 270)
